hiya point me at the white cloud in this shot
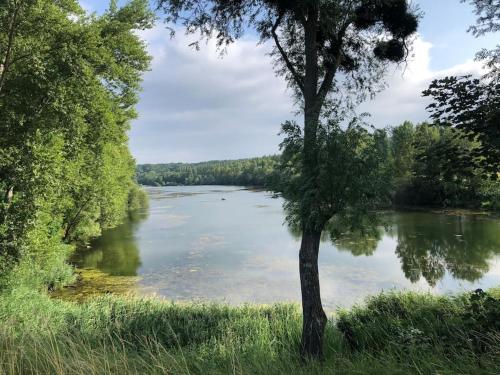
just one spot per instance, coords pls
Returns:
(198, 106)
(403, 100)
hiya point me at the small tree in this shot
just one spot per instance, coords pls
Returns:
(322, 48)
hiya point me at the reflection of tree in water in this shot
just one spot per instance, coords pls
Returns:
(352, 242)
(116, 251)
(296, 232)
(358, 245)
(429, 245)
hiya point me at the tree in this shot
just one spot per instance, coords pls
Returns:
(488, 21)
(321, 47)
(67, 96)
(402, 152)
(472, 105)
(441, 175)
(431, 167)
(353, 178)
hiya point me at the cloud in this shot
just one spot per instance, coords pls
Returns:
(198, 106)
(402, 99)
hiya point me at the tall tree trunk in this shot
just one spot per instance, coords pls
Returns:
(314, 318)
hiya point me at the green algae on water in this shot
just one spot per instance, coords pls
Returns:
(91, 283)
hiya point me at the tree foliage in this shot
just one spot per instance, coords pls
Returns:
(488, 16)
(67, 94)
(244, 172)
(472, 105)
(353, 176)
(430, 167)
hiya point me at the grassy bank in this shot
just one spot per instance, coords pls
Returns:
(390, 334)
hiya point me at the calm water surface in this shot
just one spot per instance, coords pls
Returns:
(229, 244)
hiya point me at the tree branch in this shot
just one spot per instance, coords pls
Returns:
(326, 85)
(72, 223)
(327, 81)
(296, 76)
(21, 57)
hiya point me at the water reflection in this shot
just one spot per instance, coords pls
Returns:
(196, 245)
(429, 245)
(354, 242)
(358, 245)
(117, 251)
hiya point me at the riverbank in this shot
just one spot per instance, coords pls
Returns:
(452, 211)
(391, 334)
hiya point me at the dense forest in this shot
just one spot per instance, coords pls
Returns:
(430, 167)
(67, 95)
(244, 172)
(424, 164)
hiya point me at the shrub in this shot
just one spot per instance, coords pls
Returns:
(422, 322)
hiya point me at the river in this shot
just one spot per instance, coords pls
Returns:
(230, 244)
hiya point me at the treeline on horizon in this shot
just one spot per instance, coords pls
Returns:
(425, 163)
(245, 172)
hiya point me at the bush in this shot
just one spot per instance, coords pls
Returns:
(469, 322)
(137, 199)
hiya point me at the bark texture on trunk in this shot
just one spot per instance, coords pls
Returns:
(314, 318)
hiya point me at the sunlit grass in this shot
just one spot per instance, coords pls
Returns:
(395, 334)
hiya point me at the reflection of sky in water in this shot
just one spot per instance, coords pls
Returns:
(229, 244)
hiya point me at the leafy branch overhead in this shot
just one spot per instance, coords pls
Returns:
(345, 32)
(472, 105)
(488, 16)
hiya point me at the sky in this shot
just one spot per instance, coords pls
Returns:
(197, 106)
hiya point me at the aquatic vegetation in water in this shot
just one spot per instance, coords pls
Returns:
(91, 283)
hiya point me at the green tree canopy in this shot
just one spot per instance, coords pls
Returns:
(69, 83)
(472, 105)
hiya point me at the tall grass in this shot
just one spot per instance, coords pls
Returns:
(393, 334)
